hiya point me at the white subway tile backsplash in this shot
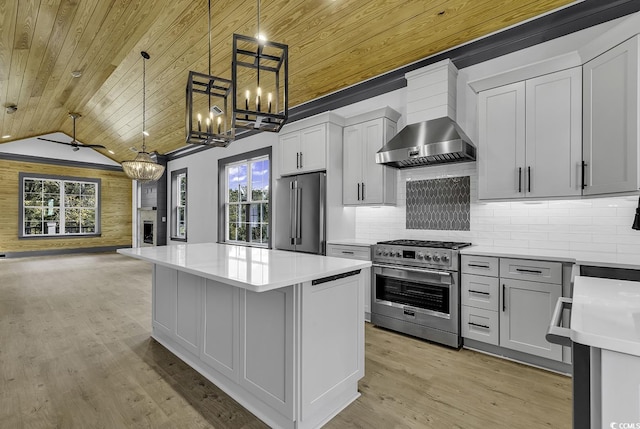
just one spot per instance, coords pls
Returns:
(589, 226)
(545, 244)
(594, 247)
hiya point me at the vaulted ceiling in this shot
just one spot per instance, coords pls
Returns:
(332, 44)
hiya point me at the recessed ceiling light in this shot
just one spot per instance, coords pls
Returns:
(6, 136)
(111, 152)
(76, 73)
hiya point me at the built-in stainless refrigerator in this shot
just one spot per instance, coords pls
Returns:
(300, 213)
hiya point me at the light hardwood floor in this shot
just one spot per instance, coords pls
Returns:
(75, 352)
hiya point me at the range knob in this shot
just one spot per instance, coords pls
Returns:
(385, 252)
(378, 252)
(427, 257)
(420, 255)
(436, 257)
(445, 258)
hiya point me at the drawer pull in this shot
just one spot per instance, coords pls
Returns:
(522, 270)
(479, 292)
(346, 252)
(479, 325)
(486, 267)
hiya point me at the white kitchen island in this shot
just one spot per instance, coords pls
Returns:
(282, 333)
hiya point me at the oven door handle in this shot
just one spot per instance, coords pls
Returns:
(445, 277)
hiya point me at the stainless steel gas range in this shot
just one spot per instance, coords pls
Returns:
(416, 289)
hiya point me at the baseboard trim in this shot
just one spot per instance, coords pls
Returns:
(101, 249)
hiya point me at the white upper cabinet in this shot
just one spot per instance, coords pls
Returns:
(530, 138)
(304, 150)
(364, 181)
(610, 123)
(501, 142)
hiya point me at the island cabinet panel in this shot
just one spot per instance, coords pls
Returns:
(267, 347)
(334, 361)
(188, 296)
(165, 284)
(220, 330)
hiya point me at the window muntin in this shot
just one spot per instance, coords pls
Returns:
(59, 206)
(179, 185)
(247, 201)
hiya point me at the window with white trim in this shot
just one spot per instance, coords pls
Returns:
(59, 206)
(247, 201)
(179, 204)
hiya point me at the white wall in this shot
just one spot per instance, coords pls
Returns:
(43, 149)
(202, 184)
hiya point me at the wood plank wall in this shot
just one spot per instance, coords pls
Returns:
(115, 210)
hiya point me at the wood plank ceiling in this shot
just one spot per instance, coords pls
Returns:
(333, 44)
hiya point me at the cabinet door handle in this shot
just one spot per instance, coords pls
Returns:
(504, 303)
(584, 169)
(522, 270)
(347, 252)
(519, 179)
(300, 159)
(358, 191)
(486, 267)
(529, 179)
(297, 159)
(480, 292)
(363, 191)
(479, 325)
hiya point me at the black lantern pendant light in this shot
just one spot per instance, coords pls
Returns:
(208, 121)
(260, 75)
(143, 168)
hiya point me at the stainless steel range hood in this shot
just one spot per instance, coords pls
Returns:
(436, 141)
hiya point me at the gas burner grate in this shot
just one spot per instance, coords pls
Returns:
(427, 243)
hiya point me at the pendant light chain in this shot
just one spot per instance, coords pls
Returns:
(258, 37)
(209, 37)
(144, 103)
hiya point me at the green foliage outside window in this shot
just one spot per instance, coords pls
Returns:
(248, 194)
(59, 207)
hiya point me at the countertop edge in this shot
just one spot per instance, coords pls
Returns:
(565, 256)
(353, 265)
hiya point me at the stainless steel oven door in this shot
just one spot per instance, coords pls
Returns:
(422, 296)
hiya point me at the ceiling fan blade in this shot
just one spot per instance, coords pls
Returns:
(56, 141)
(99, 146)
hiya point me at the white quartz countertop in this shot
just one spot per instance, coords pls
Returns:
(598, 259)
(606, 314)
(251, 268)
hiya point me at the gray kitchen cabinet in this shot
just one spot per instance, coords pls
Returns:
(480, 298)
(355, 251)
(530, 138)
(508, 303)
(610, 148)
(526, 309)
(364, 181)
(304, 150)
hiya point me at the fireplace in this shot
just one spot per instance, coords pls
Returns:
(147, 231)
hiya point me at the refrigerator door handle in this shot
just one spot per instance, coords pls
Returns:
(293, 217)
(298, 215)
